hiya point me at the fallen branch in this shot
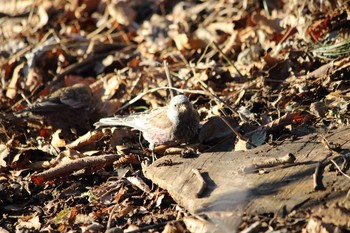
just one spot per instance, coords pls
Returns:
(66, 169)
(273, 162)
(317, 176)
(202, 183)
(340, 170)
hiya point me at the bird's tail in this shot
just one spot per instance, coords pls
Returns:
(112, 121)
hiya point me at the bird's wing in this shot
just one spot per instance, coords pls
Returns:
(72, 97)
(143, 121)
(158, 119)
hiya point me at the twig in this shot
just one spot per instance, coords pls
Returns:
(25, 98)
(329, 145)
(202, 183)
(238, 134)
(317, 176)
(227, 59)
(31, 13)
(253, 228)
(286, 159)
(266, 8)
(340, 170)
(66, 169)
(204, 52)
(209, 92)
(287, 165)
(100, 28)
(344, 165)
(110, 217)
(170, 81)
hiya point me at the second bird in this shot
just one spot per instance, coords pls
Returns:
(66, 108)
(177, 122)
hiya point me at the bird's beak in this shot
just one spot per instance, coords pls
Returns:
(182, 108)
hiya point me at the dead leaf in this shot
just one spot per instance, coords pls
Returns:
(29, 223)
(258, 137)
(241, 145)
(197, 225)
(56, 141)
(181, 41)
(43, 16)
(122, 12)
(318, 109)
(4, 152)
(315, 225)
(215, 129)
(138, 182)
(12, 87)
(86, 139)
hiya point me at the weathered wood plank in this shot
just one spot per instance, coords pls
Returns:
(228, 191)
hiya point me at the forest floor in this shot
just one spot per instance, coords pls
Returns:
(260, 73)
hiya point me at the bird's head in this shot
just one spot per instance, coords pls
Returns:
(178, 106)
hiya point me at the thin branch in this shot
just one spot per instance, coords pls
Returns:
(209, 92)
(168, 76)
(110, 217)
(317, 176)
(204, 53)
(238, 134)
(336, 165)
(227, 59)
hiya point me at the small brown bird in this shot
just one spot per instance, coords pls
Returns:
(66, 108)
(177, 122)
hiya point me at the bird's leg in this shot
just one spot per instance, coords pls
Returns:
(154, 156)
(151, 151)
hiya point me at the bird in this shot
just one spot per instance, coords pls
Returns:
(66, 108)
(178, 122)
